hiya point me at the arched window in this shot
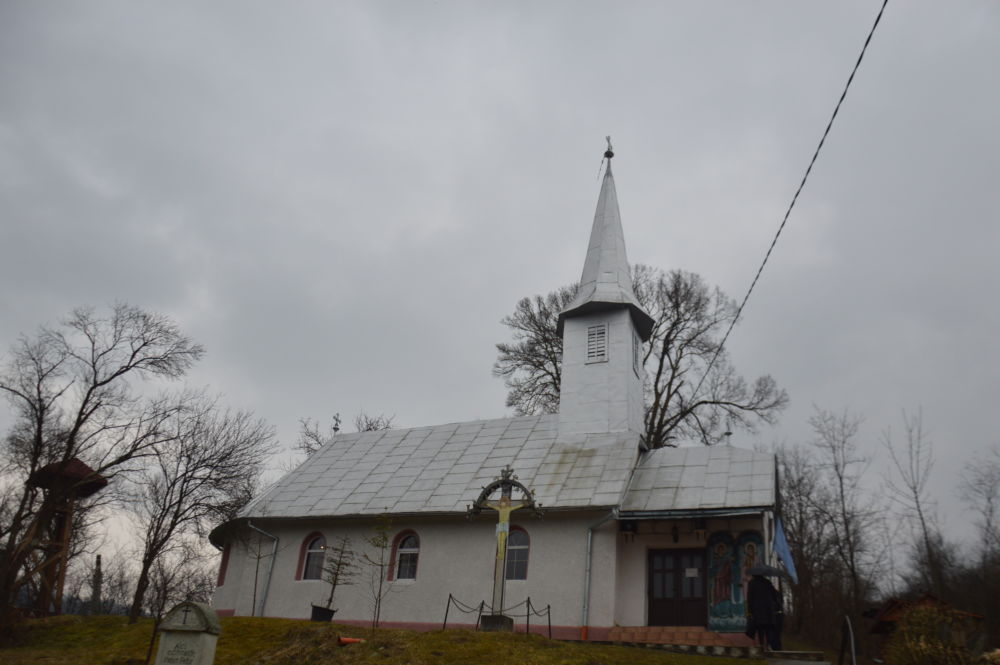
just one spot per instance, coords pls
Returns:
(518, 545)
(311, 557)
(405, 552)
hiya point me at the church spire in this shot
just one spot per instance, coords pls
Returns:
(606, 282)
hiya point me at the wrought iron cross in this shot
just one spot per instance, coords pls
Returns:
(504, 505)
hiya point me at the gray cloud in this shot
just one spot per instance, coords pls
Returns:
(341, 201)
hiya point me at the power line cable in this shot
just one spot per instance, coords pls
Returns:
(795, 198)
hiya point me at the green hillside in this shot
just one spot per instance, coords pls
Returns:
(72, 640)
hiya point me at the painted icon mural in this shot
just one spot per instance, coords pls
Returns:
(728, 561)
(750, 551)
(723, 612)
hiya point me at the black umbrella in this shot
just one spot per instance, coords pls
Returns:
(768, 571)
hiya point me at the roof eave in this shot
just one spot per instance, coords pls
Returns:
(692, 512)
(643, 322)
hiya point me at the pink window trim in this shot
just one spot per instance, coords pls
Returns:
(395, 547)
(223, 565)
(302, 553)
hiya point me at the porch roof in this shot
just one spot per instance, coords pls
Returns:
(701, 478)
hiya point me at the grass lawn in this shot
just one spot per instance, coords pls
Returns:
(71, 640)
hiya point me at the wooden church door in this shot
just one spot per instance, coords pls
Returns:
(676, 588)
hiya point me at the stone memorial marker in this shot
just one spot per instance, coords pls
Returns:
(188, 635)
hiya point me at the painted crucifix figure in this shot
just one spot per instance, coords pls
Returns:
(504, 505)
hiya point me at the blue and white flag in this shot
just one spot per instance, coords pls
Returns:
(782, 550)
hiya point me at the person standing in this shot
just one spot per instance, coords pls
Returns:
(779, 620)
(763, 612)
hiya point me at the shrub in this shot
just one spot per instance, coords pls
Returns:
(933, 635)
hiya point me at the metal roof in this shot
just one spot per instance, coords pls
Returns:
(442, 469)
(700, 478)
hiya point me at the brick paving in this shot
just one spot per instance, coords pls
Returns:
(678, 636)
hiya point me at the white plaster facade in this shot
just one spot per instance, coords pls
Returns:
(456, 557)
(606, 395)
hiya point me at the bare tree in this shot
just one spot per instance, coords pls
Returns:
(188, 574)
(363, 422)
(116, 581)
(809, 536)
(185, 574)
(844, 505)
(980, 491)
(311, 438)
(912, 462)
(531, 366)
(206, 476)
(690, 319)
(69, 389)
(836, 531)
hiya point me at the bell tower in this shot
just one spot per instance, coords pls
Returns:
(603, 330)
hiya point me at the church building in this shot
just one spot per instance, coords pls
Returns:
(630, 537)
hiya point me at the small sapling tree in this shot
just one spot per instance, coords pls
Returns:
(340, 566)
(377, 560)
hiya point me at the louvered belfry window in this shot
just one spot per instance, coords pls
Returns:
(597, 343)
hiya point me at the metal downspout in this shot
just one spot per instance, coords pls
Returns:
(270, 568)
(586, 574)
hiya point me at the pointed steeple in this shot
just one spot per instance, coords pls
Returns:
(606, 282)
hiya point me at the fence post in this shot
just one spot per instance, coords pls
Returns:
(847, 641)
(548, 613)
(480, 615)
(448, 607)
(527, 618)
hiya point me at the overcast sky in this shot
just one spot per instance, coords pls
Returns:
(342, 200)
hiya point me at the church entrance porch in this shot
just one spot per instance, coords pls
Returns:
(687, 571)
(676, 589)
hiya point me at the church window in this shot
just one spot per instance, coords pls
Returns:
(517, 554)
(406, 551)
(311, 558)
(597, 343)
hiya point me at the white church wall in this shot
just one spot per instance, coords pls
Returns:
(456, 556)
(227, 594)
(600, 396)
(603, 577)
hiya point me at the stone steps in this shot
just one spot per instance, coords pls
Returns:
(796, 658)
(686, 639)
